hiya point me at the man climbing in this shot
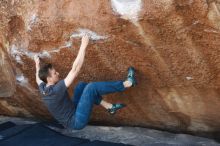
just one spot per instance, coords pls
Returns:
(75, 112)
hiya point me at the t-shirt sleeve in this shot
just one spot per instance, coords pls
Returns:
(41, 87)
(60, 86)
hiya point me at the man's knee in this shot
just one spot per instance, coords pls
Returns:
(91, 86)
(91, 89)
(81, 85)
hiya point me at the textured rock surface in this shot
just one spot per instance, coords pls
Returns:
(173, 44)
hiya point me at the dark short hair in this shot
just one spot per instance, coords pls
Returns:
(44, 71)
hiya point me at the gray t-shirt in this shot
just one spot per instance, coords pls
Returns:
(57, 100)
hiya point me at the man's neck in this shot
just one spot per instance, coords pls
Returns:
(49, 84)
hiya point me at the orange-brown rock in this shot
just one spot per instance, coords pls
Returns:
(173, 44)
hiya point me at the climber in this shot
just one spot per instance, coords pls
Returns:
(74, 113)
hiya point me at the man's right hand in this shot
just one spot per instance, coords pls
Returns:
(85, 41)
(37, 61)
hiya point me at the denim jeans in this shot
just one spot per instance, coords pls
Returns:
(88, 94)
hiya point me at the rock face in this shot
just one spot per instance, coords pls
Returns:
(173, 44)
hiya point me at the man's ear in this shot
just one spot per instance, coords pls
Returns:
(48, 79)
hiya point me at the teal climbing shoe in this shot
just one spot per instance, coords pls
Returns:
(115, 107)
(131, 76)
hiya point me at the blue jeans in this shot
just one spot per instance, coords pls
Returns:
(88, 94)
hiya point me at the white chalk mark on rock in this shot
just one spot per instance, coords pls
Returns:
(21, 79)
(56, 50)
(93, 36)
(128, 9)
(67, 45)
(17, 53)
(43, 54)
(189, 78)
(31, 21)
(212, 31)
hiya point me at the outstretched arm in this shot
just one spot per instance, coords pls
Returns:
(77, 64)
(37, 63)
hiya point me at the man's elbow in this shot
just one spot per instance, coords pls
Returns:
(36, 80)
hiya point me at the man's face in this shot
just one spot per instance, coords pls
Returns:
(54, 76)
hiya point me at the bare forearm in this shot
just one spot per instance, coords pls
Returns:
(38, 80)
(77, 64)
(76, 67)
(37, 64)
